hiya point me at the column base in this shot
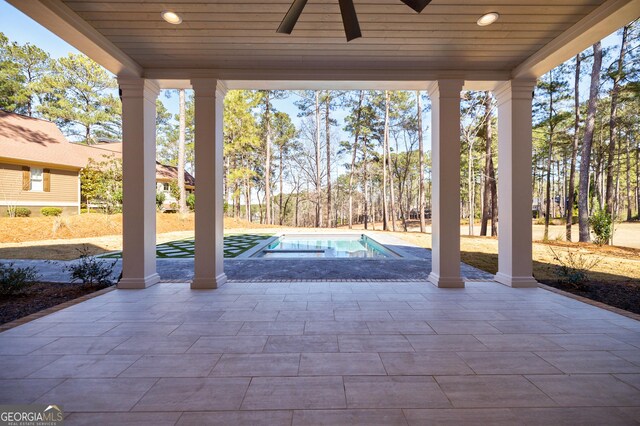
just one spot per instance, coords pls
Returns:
(515, 282)
(205, 283)
(133, 283)
(446, 282)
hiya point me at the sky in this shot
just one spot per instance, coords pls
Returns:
(22, 29)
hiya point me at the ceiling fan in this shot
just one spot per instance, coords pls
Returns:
(348, 12)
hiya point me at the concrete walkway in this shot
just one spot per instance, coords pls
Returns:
(328, 353)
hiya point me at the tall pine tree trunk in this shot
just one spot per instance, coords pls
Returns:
(385, 141)
(182, 199)
(327, 105)
(421, 203)
(583, 196)
(615, 93)
(629, 203)
(281, 212)
(267, 160)
(354, 157)
(489, 174)
(318, 195)
(392, 204)
(574, 151)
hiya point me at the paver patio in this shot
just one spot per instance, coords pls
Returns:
(328, 353)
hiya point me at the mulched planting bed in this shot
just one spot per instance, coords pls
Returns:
(41, 296)
(623, 295)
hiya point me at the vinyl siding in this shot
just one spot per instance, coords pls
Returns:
(64, 186)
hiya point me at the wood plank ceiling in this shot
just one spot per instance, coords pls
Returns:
(241, 34)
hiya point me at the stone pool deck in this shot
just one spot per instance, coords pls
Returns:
(328, 354)
(414, 266)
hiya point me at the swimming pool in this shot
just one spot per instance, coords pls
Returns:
(325, 246)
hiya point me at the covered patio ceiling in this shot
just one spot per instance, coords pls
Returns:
(237, 41)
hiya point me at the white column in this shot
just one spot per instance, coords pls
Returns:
(515, 267)
(209, 226)
(139, 182)
(445, 159)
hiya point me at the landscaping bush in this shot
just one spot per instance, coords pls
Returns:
(160, 197)
(91, 270)
(601, 224)
(574, 268)
(51, 211)
(19, 212)
(191, 201)
(15, 280)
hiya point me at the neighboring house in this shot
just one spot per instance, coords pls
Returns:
(39, 167)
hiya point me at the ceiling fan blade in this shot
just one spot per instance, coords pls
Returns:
(290, 19)
(349, 19)
(417, 5)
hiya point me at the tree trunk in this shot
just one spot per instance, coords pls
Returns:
(574, 152)
(547, 197)
(385, 141)
(615, 93)
(628, 164)
(182, 199)
(267, 160)
(487, 199)
(327, 105)
(421, 203)
(583, 196)
(318, 195)
(392, 203)
(354, 157)
(281, 212)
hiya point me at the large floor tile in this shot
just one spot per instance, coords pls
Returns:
(457, 417)
(587, 390)
(394, 392)
(492, 391)
(336, 327)
(573, 362)
(80, 346)
(424, 363)
(194, 394)
(89, 395)
(392, 417)
(297, 344)
(462, 327)
(220, 328)
(25, 391)
(507, 363)
(86, 366)
(340, 364)
(228, 344)
(239, 365)
(275, 393)
(155, 345)
(19, 366)
(583, 416)
(128, 419)
(237, 418)
(399, 327)
(272, 328)
(517, 342)
(422, 343)
(374, 343)
(23, 345)
(182, 365)
(589, 342)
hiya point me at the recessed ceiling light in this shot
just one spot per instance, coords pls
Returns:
(488, 19)
(171, 17)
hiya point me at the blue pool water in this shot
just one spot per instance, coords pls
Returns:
(325, 246)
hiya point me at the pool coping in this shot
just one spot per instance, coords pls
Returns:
(383, 240)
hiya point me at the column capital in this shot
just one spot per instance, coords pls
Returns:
(132, 87)
(445, 88)
(515, 89)
(209, 87)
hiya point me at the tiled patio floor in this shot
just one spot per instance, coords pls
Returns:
(328, 353)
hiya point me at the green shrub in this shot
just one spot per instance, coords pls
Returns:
(19, 212)
(51, 211)
(16, 280)
(191, 201)
(160, 197)
(90, 270)
(602, 226)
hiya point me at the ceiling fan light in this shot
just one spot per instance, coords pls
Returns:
(488, 19)
(171, 17)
